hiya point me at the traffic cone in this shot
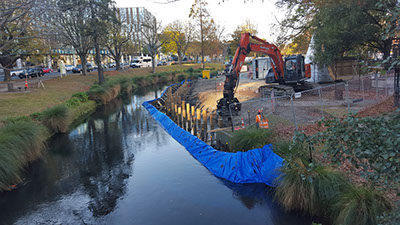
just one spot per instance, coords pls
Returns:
(242, 123)
(26, 84)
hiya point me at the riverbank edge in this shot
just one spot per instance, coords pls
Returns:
(80, 106)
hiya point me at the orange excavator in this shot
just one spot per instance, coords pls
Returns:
(284, 78)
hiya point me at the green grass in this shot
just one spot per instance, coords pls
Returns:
(251, 138)
(360, 205)
(20, 143)
(56, 119)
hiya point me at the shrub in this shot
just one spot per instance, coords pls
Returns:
(81, 96)
(309, 188)
(20, 143)
(368, 143)
(181, 77)
(289, 149)
(251, 138)
(360, 205)
(56, 119)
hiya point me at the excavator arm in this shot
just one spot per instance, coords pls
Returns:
(232, 78)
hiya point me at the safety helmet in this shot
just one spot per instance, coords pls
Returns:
(259, 111)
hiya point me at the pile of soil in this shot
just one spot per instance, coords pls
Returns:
(385, 106)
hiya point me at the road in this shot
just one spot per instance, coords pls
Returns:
(21, 82)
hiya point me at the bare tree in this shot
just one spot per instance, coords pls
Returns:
(181, 35)
(101, 12)
(200, 14)
(15, 32)
(119, 35)
(152, 34)
(71, 22)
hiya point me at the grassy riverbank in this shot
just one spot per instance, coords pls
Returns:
(29, 119)
(59, 90)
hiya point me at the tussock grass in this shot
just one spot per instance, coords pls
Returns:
(56, 119)
(21, 142)
(104, 93)
(360, 205)
(251, 138)
(310, 190)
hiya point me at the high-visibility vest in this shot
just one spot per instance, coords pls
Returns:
(263, 123)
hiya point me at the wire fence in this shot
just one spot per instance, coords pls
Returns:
(310, 106)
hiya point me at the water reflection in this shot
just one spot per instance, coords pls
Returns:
(120, 167)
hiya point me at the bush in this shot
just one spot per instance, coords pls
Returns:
(289, 150)
(360, 205)
(368, 143)
(20, 143)
(56, 119)
(308, 188)
(181, 77)
(251, 138)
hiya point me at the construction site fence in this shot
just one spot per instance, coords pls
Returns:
(310, 106)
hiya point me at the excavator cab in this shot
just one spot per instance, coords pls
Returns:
(294, 71)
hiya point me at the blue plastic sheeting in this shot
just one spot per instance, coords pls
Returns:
(254, 166)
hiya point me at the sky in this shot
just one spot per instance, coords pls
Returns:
(230, 13)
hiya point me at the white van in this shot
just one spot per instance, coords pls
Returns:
(146, 61)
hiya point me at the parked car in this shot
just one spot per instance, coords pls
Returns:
(112, 65)
(136, 63)
(16, 72)
(31, 72)
(67, 68)
(162, 63)
(46, 70)
(78, 68)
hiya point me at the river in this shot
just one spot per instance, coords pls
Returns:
(121, 167)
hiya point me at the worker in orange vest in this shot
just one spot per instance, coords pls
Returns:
(261, 120)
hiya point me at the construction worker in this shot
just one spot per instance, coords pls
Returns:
(261, 120)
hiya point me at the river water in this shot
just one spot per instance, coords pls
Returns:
(121, 167)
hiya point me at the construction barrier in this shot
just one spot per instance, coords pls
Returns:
(260, 165)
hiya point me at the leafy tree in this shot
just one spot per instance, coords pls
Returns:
(246, 27)
(71, 23)
(339, 26)
(17, 37)
(181, 35)
(152, 33)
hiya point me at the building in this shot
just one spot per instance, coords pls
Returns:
(134, 17)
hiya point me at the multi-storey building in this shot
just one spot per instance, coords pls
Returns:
(133, 18)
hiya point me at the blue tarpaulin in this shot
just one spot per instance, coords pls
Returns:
(254, 166)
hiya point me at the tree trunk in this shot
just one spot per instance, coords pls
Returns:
(386, 52)
(153, 64)
(83, 63)
(98, 60)
(179, 58)
(7, 62)
(118, 63)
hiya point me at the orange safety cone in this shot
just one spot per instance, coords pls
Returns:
(26, 84)
(242, 123)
